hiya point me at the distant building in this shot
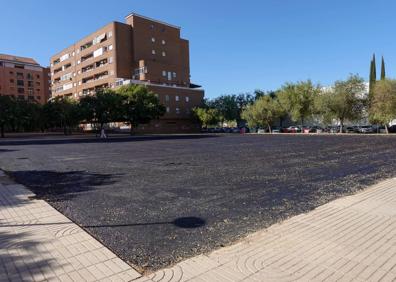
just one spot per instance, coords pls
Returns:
(141, 51)
(23, 78)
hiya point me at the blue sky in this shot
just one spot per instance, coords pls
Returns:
(236, 46)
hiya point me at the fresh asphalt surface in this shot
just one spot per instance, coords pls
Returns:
(157, 200)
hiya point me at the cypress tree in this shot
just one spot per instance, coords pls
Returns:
(383, 75)
(373, 77)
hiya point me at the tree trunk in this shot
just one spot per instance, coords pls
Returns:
(65, 130)
(2, 131)
(386, 129)
(269, 128)
(131, 132)
(302, 125)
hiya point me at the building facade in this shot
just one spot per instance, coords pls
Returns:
(23, 78)
(139, 51)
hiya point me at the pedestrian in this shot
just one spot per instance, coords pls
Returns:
(103, 134)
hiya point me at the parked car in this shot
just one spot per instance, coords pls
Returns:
(261, 131)
(392, 128)
(292, 129)
(276, 129)
(336, 129)
(350, 129)
(366, 129)
(315, 129)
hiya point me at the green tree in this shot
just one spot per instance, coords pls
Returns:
(7, 105)
(139, 105)
(383, 106)
(62, 112)
(343, 102)
(230, 106)
(262, 113)
(383, 73)
(297, 99)
(207, 116)
(104, 107)
(373, 78)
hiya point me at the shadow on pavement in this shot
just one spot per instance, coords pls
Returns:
(58, 186)
(21, 257)
(181, 222)
(85, 140)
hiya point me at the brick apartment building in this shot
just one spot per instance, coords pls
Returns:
(140, 51)
(24, 78)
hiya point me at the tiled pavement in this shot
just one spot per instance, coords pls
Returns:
(350, 239)
(37, 243)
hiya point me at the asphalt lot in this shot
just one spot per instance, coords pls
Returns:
(157, 200)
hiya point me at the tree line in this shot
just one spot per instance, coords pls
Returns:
(345, 101)
(133, 104)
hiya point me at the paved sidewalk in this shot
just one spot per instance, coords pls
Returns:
(37, 243)
(350, 239)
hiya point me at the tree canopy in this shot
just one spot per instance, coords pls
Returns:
(383, 105)
(298, 99)
(139, 105)
(343, 102)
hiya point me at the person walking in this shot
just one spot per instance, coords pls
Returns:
(103, 134)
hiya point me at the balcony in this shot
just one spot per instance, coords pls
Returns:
(57, 70)
(92, 90)
(94, 66)
(87, 57)
(97, 40)
(96, 77)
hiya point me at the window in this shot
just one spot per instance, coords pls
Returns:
(163, 42)
(174, 75)
(187, 99)
(29, 76)
(153, 52)
(110, 34)
(151, 26)
(167, 109)
(177, 98)
(38, 76)
(167, 98)
(177, 111)
(110, 47)
(20, 83)
(21, 90)
(163, 54)
(153, 39)
(164, 73)
(30, 83)
(12, 80)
